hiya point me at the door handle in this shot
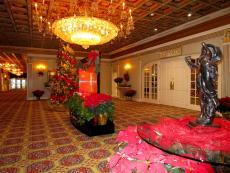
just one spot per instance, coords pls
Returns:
(171, 85)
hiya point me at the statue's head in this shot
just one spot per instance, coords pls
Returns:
(211, 51)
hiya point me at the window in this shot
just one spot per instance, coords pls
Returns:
(18, 83)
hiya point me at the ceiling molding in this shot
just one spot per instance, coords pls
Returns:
(26, 50)
(211, 24)
(176, 29)
(143, 51)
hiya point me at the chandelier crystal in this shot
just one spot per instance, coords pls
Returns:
(12, 68)
(81, 22)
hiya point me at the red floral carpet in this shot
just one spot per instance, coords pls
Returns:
(35, 138)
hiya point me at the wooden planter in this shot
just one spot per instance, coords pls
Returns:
(94, 127)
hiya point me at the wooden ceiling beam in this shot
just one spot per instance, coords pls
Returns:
(29, 10)
(170, 17)
(8, 57)
(20, 63)
(26, 50)
(153, 8)
(208, 4)
(7, 4)
(185, 3)
(2, 58)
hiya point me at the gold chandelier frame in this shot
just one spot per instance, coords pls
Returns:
(85, 23)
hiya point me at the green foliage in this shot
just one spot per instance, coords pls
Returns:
(173, 169)
(105, 108)
(76, 107)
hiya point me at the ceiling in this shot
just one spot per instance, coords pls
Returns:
(18, 29)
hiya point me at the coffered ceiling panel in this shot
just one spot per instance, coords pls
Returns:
(151, 17)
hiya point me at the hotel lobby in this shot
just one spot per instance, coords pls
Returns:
(82, 83)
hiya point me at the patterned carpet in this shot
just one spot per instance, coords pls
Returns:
(36, 138)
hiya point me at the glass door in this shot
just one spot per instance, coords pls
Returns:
(150, 83)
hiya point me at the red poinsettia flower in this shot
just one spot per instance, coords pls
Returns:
(94, 100)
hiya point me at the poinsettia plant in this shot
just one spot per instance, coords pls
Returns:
(38, 93)
(86, 106)
(100, 104)
(118, 80)
(224, 107)
(224, 104)
(77, 109)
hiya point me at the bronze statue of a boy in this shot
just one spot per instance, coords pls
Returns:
(206, 66)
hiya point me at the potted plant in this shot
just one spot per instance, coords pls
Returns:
(40, 73)
(224, 107)
(118, 80)
(91, 114)
(130, 93)
(101, 106)
(38, 94)
(77, 109)
(126, 79)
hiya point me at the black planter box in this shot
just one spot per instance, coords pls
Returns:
(90, 129)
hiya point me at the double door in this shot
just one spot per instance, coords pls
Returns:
(174, 82)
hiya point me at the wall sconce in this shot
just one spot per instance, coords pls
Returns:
(52, 73)
(127, 66)
(41, 68)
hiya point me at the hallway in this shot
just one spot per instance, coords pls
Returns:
(35, 138)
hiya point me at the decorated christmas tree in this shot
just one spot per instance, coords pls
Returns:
(66, 80)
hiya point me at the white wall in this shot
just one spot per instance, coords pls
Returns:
(134, 73)
(188, 47)
(105, 78)
(36, 82)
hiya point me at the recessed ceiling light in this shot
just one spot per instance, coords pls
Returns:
(155, 29)
(189, 14)
(152, 14)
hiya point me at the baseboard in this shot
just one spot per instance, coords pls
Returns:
(136, 99)
(33, 98)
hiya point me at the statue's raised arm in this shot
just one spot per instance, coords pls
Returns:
(192, 65)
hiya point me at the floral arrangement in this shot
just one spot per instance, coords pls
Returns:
(224, 104)
(130, 93)
(224, 107)
(100, 104)
(93, 100)
(38, 93)
(135, 155)
(77, 109)
(40, 73)
(85, 107)
(118, 80)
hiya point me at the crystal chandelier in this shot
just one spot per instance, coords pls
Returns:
(83, 22)
(12, 68)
